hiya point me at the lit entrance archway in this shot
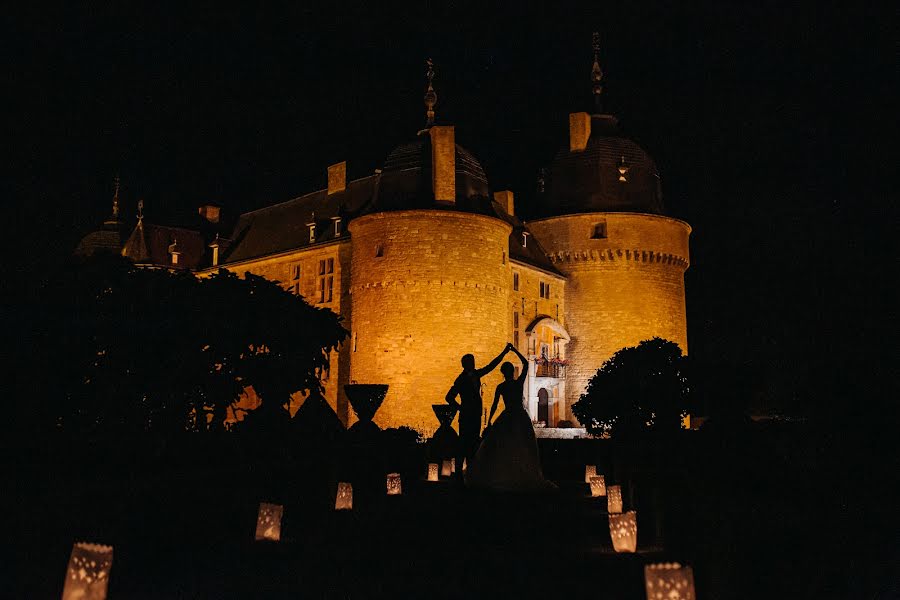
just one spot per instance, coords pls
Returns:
(545, 389)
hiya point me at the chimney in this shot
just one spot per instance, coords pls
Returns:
(210, 212)
(579, 131)
(337, 178)
(443, 162)
(505, 198)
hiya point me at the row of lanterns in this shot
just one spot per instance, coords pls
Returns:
(662, 581)
(87, 575)
(268, 521)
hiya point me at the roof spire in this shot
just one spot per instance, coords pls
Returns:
(115, 207)
(140, 211)
(430, 95)
(597, 74)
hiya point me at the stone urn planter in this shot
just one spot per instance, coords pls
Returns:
(444, 442)
(364, 457)
(366, 399)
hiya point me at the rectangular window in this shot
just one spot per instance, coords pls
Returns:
(321, 267)
(516, 339)
(599, 231)
(329, 267)
(295, 272)
(297, 288)
(515, 320)
(515, 282)
(321, 289)
(329, 289)
(545, 290)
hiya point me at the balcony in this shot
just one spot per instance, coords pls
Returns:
(556, 371)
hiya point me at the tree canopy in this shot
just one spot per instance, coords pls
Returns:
(127, 348)
(640, 388)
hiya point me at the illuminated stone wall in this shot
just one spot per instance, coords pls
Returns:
(438, 290)
(622, 288)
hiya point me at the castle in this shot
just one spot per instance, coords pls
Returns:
(426, 263)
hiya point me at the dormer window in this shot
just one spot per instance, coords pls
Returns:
(312, 232)
(525, 235)
(173, 252)
(337, 226)
(599, 232)
(623, 169)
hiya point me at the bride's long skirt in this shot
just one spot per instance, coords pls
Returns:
(508, 458)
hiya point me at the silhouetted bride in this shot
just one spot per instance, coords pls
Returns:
(508, 459)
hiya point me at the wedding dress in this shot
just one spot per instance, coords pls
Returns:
(508, 458)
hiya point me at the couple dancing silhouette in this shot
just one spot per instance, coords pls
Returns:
(506, 458)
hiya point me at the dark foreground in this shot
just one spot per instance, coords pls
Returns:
(754, 517)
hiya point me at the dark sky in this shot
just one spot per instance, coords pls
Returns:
(771, 127)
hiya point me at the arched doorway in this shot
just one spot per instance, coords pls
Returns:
(543, 411)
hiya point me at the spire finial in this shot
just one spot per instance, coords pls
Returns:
(115, 207)
(597, 73)
(140, 211)
(430, 95)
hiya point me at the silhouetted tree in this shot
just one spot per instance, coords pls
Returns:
(130, 349)
(640, 388)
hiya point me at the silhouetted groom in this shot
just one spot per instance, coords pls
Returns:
(468, 387)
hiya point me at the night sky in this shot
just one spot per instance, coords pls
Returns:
(769, 126)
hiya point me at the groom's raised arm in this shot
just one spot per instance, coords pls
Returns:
(493, 364)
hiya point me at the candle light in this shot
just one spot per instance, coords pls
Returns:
(344, 498)
(598, 485)
(268, 523)
(614, 499)
(446, 469)
(669, 581)
(432, 471)
(589, 471)
(87, 577)
(623, 531)
(394, 487)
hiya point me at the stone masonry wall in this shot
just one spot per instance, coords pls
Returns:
(622, 288)
(427, 287)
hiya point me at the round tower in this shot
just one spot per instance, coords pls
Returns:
(430, 278)
(603, 227)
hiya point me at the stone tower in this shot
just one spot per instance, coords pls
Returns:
(430, 278)
(604, 228)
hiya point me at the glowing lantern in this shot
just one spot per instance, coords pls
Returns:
(465, 466)
(394, 487)
(432, 471)
(623, 531)
(598, 485)
(268, 524)
(614, 499)
(453, 465)
(87, 577)
(446, 469)
(669, 581)
(589, 471)
(344, 498)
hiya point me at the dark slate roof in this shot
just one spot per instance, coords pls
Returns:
(588, 181)
(532, 254)
(406, 181)
(108, 238)
(283, 227)
(149, 245)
